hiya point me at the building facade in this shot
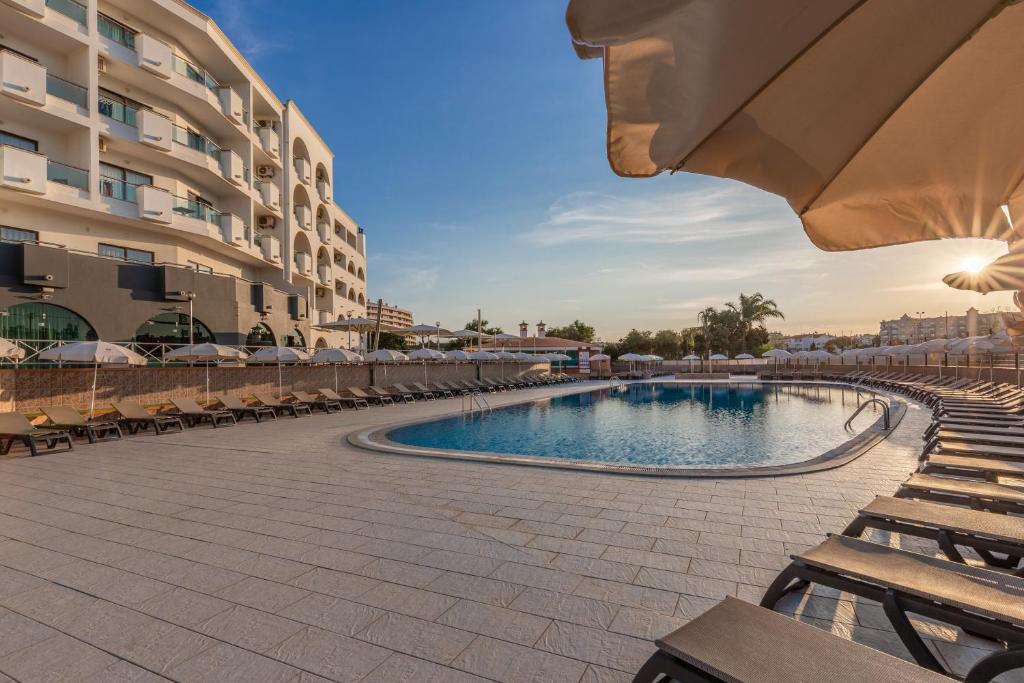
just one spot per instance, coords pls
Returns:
(914, 330)
(806, 342)
(391, 317)
(151, 178)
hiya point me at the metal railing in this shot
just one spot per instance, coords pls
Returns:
(115, 30)
(119, 189)
(195, 73)
(70, 8)
(876, 401)
(119, 111)
(66, 90)
(195, 209)
(196, 141)
(57, 172)
(474, 403)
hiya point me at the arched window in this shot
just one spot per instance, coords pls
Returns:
(260, 335)
(46, 322)
(294, 339)
(172, 328)
(321, 343)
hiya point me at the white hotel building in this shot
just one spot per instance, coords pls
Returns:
(145, 168)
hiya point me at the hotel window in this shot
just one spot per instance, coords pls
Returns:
(118, 107)
(120, 183)
(200, 267)
(115, 30)
(8, 234)
(18, 141)
(126, 253)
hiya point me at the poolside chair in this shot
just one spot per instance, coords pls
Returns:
(137, 419)
(978, 495)
(985, 602)
(989, 469)
(477, 385)
(293, 409)
(15, 427)
(324, 404)
(397, 396)
(426, 395)
(451, 388)
(497, 386)
(240, 410)
(375, 399)
(194, 414)
(736, 642)
(949, 526)
(332, 395)
(437, 389)
(69, 419)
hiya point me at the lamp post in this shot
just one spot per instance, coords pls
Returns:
(920, 322)
(348, 316)
(191, 296)
(437, 324)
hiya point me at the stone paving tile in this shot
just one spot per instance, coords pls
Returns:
(332, 614)
(249, 628)
(510, 663)
(416, 637)
(59, 658)
(496, 622)
(327, 654)
(261, 594)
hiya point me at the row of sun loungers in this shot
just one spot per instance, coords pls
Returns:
(65, 422)
(967, 498)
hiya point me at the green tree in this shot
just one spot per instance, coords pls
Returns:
(667, 344)
(753, 312)
(484, 324)
(637, 341)
(577, 331)
(390, 340)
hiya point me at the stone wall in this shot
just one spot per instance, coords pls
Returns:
(32, 388)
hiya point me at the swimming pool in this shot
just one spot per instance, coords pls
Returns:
(656, 425)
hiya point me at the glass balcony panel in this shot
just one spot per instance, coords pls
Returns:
(66, 90)
(119, 189)
(67, 175)
(119, 33)
(119, 111)
(69, 8)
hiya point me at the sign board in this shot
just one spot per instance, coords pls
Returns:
(584, 360)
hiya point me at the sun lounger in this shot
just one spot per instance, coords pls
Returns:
(241, 410)
(332, 395)
(137, 419)
(947, 525)
(15, 427)
(374, 398)
(973, 494)
(195, 414)
(498, 386)
(985, 602)
(425, 395)
(989, 469)
(451, 388)
(69, 419)
(324, 404)
(736, 642)
(404, 397)
(435, 389)
(279, 406)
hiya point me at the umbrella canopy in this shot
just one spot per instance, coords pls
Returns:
(600, 356)
(458, 354)
(206, 352)
(972, 345)
(932, 346)
(385, 356)
(527, 357)
(464, 334)
(692, 356)
(879, 122)
(505, 336)
(1006, 273)
(426, 354)
(422, 330)
(97, 352)
(335, 356)
(631, 357)
(718, 356)
(279, 354)
(560, 357)
(483, 355)
(350, 324)
(819, 354)
(505, 355)
(776, 353)
(744, 356)
(9, 349)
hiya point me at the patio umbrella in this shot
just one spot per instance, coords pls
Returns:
(279, 355)
(520, 356)
(457, 355)
(422, 331)
(777, 354)
(359, 325)
(691, 357)
(207, 353)
(95, 352)
(333, 357)
(424, 354)
(10, 351)
(385, 356)
(482, 355)
(744, 356)
(879, 122)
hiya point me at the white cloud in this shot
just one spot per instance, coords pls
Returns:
(704, 214)
(236, 19)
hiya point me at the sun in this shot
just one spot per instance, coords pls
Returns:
(973, 264)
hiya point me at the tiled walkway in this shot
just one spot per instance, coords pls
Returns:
(276, 552)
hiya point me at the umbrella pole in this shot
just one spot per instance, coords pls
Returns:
(207, 382)
(280, 384)
(335, 378)
(92, 401)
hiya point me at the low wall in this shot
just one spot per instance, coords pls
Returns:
(32, 388)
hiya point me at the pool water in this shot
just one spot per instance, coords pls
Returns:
(660, 425)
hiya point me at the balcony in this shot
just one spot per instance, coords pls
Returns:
(234, 230)
(304, 216)
(196, 73)
(323, 188)
(269, 141)
(35, 8)
(234, 169)
(66, 90)
(22, 78)
(22, 170)
(323, 274)
(232, 107)
(303, 263)
(191, 208)
(302, 169)
(270, 247)
(154, 130)
(62, 174)
(155, 204)
(270, 195)
(324, 231)
(115, 31)
(69, 8)
(196, 141)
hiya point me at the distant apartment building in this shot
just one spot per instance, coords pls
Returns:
(912, 330)
(145, 170)
(391, 317)
(806, 342)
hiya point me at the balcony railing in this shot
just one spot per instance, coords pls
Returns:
(117, 32)
(119, 111)
(257, 239)
(195, 73)
(69, 8)
(66, 90)
(118, 189)
(198, 142)
(194, 209)
(57, 172)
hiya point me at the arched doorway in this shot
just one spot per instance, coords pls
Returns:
(260, 335)
(45, 322)
(321, 343)
(294, 339)
(172, 328)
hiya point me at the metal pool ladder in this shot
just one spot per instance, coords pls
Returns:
(475, 403)
(865, 404)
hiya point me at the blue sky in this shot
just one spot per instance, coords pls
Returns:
(469, 143)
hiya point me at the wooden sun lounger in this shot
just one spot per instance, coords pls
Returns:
(240, 410)
(435, 389)
(15, 427)
(947, 525)
(325, 404)
(451, 388)
(736, 642)
(279, 406)
(396, 396)
(343, 401)
(985, 602)
(139, 419)
(68, 419)
(376, 399)
(415, 393)
(195, 414)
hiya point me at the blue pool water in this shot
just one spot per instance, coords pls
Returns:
(659, 425)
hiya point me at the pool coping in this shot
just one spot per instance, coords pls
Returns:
(376, 439)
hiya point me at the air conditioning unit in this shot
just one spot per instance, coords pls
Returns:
(268, 222)
(321, 293)
(302, 316)
(101, 64)
(265, 171)
(263, 123)
(102, 145)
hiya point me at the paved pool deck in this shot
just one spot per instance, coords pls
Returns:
(279, 552)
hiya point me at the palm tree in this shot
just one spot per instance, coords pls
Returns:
(754, 311)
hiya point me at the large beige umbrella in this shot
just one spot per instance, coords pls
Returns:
(96, 353)
(879, 121)
(206, 353)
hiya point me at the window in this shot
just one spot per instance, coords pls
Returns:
(120, 183)
(18, 235)
(200, 268)
(39, 321)
(118, 107)
(126, 253)
(18, 141)
(115, 30)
